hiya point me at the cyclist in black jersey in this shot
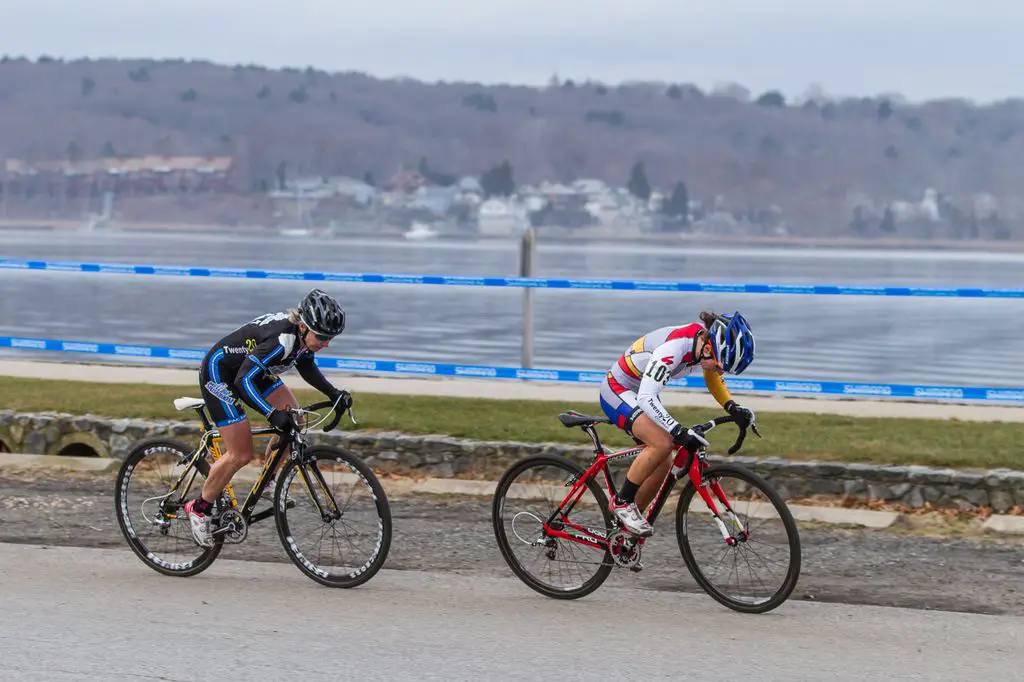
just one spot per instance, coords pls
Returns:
(243, 368)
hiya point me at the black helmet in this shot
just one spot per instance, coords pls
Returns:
(322, 314)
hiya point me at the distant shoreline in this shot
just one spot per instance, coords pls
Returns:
(566, 235)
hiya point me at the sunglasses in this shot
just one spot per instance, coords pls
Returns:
(322, 337)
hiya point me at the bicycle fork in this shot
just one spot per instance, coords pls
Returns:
(696, 474)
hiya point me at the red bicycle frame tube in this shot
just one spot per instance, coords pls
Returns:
(600, 464)
(684, 462)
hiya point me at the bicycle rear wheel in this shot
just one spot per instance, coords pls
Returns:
(534, 488)
(761, 528)
(150, 497)
(345, 508)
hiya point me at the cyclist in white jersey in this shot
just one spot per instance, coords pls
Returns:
(629, 397)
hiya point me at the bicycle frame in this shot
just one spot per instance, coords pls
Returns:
(685, 462)
(210, 441)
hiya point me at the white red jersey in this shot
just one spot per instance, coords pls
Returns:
(650, 362)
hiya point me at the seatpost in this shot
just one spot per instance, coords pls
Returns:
(592, 432)
(207, 426)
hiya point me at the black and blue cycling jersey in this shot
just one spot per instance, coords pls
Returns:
(244, 367)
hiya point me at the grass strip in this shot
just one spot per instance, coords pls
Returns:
(793, 436)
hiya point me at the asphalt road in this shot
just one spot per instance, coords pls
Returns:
(72, 613)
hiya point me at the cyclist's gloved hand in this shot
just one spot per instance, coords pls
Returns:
(346, 398)
(744, 416)
(688, 438)
(282, 420)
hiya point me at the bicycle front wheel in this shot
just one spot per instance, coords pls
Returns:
(333, 517)
(149, 497)
(747, 559)
(561, 561)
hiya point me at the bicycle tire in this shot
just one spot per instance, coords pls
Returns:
(368, 569)
(792, 533)
(501, 536)
(205, 557)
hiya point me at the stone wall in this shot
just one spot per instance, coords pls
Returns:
(1001, 489)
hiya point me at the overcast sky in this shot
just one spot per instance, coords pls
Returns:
(923, 49)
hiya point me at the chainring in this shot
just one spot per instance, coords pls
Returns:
(624, 549)
(238, 529)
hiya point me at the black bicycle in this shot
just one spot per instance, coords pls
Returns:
(331, 512)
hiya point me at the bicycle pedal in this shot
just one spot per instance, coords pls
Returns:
(637, 568)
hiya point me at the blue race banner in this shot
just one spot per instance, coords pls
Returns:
(513, 282)
(358, 365)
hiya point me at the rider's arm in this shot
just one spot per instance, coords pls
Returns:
(716, 384)
(311, 374)
(255, 363)
(664, 360)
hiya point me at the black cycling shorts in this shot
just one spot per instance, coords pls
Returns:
(222, 398)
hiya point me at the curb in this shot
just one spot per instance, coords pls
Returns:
(15, 461)
(866, 518)
(455, 486)
(1001, 523)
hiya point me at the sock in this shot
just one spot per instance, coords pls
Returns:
(202, 506)
(627, 493)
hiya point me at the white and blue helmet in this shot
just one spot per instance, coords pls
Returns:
(733, 342)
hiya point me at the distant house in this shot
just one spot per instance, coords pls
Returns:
(315, 187)
(470, 185)
(405, 181)
(135, 175)
(355, 190)
(306, 187)
(589, 187)
(501, 217)
(436, 200)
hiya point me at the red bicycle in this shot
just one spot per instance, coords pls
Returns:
(726, 514)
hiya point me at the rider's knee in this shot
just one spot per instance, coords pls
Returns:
(240, 456)
(661, 450)
(663, 444)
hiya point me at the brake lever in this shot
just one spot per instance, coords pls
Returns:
(739, 441)
(352, 416)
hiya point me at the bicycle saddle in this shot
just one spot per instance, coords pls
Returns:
(573, 418)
